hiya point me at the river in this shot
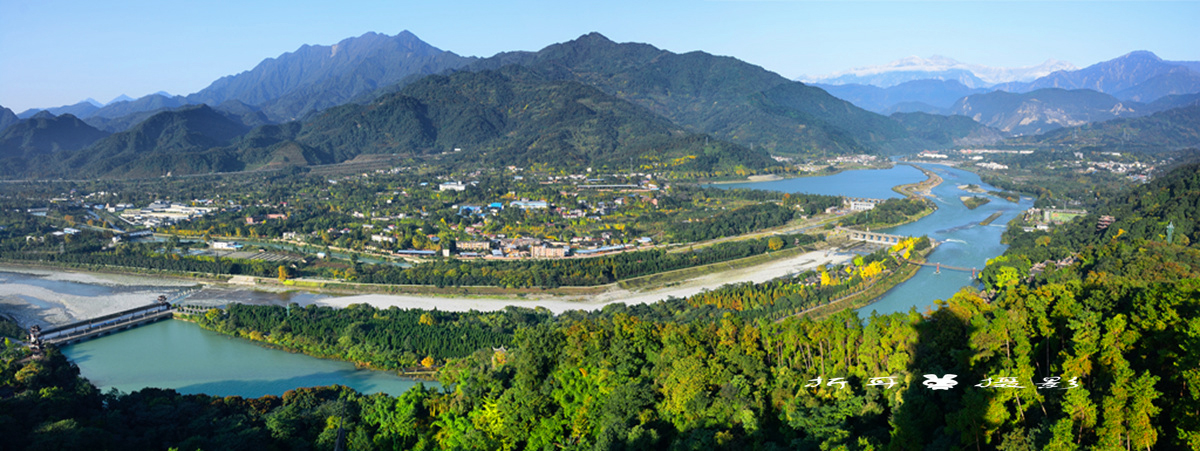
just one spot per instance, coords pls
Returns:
(174, 354)
(179, 355)
(964, 242)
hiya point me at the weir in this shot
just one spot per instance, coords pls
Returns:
(104, 325)
(872, 237)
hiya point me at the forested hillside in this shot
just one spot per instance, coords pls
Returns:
(507, 117)
(723, 96)
(513, 116)
(35, 142)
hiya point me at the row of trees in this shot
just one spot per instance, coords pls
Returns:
(572, 271)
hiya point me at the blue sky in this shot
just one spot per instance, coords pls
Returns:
(55, 52)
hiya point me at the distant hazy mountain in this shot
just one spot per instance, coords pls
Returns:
(7, 117)
(1173, 101)
(939, 94)
(1179, 80)
(1194, 66)
(82, 109)
(1140, 76)
(32, 141)
(145, 103)
(938, 68)
(1162, 131)
(315, 77)
(722, 96)
(120, 98)
(1044, 110)
(312, 78)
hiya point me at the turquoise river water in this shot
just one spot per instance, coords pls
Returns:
(181, 356)
(964, 242)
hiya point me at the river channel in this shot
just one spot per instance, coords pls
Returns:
(181, 356)
(964, 242)
(174, 354)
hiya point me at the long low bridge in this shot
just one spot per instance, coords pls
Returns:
(872, 237)
(104, 325)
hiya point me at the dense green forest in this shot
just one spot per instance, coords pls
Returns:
(736, 222)
(1093, 353)
(387, 339)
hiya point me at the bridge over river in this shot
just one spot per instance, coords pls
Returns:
(872, 237)
(887, 238)
(104, 325)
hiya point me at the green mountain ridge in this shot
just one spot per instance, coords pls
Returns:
(42, 138)
(186, 140)
(512, 116)
(724, 96)
(642, 107)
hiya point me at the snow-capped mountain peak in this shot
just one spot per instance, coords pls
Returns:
(940, 67)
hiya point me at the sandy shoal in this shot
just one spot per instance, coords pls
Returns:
(559, 304)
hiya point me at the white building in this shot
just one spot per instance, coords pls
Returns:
(452, 186)
(227, 245)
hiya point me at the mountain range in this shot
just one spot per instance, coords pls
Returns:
(33, 142)
(1138, 76)
(601, 103)
(584, 102)
(926, 95)
(1162, 131)
(1043, 110)
(937, 67)
(294, 84)
(506, 116)
(316, 77)
(723, 96)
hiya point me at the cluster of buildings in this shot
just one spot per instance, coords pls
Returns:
(503, 247)
(160, 213)
(858, 159)
(1134, 169)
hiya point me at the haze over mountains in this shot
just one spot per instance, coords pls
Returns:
(939, 68)
(588, 101)
(1125, 86)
